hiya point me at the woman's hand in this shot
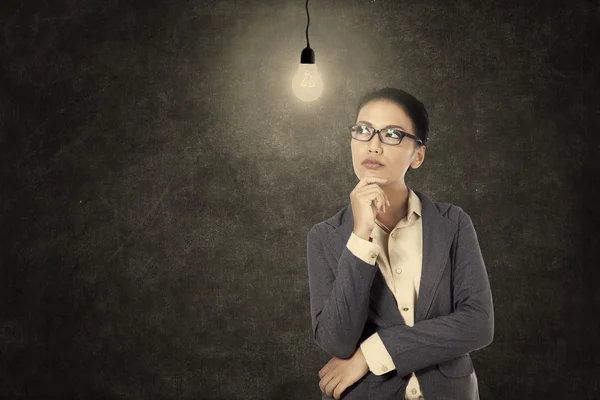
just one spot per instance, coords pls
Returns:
(339, 373)
(367, 199)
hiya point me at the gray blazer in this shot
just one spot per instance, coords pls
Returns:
(454, 315)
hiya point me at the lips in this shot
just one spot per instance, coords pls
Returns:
(372, 162)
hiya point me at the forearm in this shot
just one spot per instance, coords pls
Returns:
(435, 340)
(339, 316)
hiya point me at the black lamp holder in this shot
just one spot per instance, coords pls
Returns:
(308, 54)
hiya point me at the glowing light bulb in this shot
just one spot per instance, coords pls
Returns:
(307, 84)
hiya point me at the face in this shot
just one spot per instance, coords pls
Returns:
(395, 159)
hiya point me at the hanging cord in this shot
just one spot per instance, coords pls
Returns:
(308, 15)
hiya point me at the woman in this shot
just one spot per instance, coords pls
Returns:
(398, 287)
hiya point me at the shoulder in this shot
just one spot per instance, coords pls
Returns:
(331, 223)
(447, 210)
(458, 217)
(451, 211)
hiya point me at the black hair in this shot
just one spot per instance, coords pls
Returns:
(409, 103)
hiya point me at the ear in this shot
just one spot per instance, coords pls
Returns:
(415, 150)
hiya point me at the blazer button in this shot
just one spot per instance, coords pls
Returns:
(384, 368)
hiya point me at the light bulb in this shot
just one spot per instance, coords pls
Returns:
(307, 84)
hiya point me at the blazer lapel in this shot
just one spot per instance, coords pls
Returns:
(438, 232)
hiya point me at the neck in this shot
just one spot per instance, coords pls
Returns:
(397, 194)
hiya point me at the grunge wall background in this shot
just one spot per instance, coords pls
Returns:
(158, 179)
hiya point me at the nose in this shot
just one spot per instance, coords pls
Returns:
(375, 144)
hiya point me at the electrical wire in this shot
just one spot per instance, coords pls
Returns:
(308, 15)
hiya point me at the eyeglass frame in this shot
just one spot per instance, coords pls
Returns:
(378, 132)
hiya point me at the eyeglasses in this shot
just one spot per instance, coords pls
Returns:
(392, 136)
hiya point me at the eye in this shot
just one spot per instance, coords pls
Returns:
(394, 133)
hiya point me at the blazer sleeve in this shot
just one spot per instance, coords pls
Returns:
(339, 302)
(469, 327)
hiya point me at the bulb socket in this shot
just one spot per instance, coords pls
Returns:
(308, 56)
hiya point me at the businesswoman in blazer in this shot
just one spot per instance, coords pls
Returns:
(399, 292)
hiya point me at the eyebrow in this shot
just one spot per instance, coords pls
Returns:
(385, 127)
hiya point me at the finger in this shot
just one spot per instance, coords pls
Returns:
(371, 192)
(375, 203)
(339, 389)
(325, 381)
(371, 199)
(383, 199)
(377, 198)
(375, 206)
(370, 179)
(323, 370)
(331, 385)
(326, 368)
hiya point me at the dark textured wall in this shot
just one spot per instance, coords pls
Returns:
(158, 179)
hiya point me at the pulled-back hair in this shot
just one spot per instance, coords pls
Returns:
(409, 103)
